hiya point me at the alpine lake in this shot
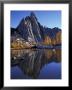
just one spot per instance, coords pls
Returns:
(36, 63)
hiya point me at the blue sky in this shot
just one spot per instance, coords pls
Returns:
(49, 19)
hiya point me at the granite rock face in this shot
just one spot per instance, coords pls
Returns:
(31, 30)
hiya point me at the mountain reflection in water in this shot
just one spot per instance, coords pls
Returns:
(36, 64)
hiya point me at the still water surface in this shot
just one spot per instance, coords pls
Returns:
(36, 64)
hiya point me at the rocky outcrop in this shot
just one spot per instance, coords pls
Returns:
(33, 32)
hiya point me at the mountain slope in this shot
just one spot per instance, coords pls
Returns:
(32, 31)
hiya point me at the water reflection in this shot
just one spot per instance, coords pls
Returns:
(32, 61)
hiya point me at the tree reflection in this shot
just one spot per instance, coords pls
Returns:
(31, 61)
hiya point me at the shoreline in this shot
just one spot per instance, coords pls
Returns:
(39, 47)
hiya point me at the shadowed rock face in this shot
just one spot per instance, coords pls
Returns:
(30, 27)
(31, 61)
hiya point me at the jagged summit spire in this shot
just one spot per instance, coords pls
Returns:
(33, 15)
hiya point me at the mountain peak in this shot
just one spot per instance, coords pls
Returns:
(33, 15)
(30, 29)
